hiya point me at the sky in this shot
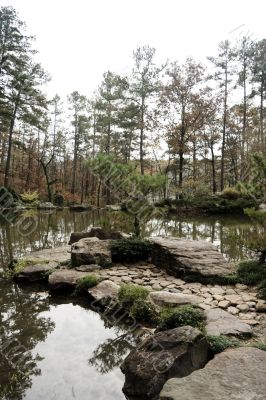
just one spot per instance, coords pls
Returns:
(79, 40)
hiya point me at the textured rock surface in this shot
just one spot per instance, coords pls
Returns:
(183, 257)
(98, 232)
(58, 255)
(176, 352)
(164, 298)
(91, 251)
(237, 374)
(35, 272)
(46, 206)
(104, 291)
(65, 279)
(220, 322)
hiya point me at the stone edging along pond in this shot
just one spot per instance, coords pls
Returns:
(179, 279)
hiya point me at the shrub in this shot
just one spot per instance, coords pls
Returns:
(129, 294)
(221, 343)
(132, 249)
(144, 311)
(251, 272)
(86, 283)
(230, 193)
(258, 345)
(186, 315)
(29, 197)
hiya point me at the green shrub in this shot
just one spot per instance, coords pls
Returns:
(29, 197)
(144, 311)
(221, 343)
(230, 193)
(129, 294)
(251, 272)
(132, 249)
(186, 315)
(258, 345)
(86, 283)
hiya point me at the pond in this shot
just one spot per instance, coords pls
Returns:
(52, 348)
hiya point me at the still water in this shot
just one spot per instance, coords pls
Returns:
(52, 348)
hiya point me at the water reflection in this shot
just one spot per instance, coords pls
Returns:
(58, 337)
(53, 229)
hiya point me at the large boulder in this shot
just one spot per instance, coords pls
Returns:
(65, 279)
(105, 292)
(236, 374)
(35, 272)
(91, 251)
(98, 232)
(168, 299)
(176, 352)
(185, 257)
(220, 322)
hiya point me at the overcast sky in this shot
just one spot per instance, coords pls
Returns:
(78, 40)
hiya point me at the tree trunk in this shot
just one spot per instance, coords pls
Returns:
(9, 148)
(141, 143)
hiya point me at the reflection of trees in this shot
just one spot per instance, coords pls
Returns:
(111, 353)
(22, 328)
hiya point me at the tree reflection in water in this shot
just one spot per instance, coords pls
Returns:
(22, 327)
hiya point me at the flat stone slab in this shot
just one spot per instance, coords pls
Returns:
(104, 291)
(236, 374)
(65, 279)
(186, 257)
(164, 298)
(35, 272)
(98, 232)
(57, 254)
(220, 322)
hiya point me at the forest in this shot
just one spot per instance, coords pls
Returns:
(197, 124)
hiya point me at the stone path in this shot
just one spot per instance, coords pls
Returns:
(239, 300)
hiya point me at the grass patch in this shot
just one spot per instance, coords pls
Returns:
(221, 343)
(250, 272)
(130, 250)
(86, 283)
(144, 311)
(129, 294)
(259, 345)
(186, 315)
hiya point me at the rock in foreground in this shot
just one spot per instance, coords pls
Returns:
(185, 257)
(168, 299)
(65, 279)
(57, 254)
(176, 352)
(105, 291)
(98, 232)
(91, 251)
(236, 374)
(220, 322)
(35, 272)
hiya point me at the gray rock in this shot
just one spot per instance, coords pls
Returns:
(35, 272)
(104, 292)
(113, 207)
(176, 352)
(185, 257)
(57, 254)
(88, 268)
(65, 279)
(261, 306)
(220, 322)
(163, 298)
(236, 374)
(91, 251)
(98, 232)
(46, 206)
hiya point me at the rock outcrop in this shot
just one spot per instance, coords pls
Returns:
(46, 206)
(176, 352)
(98, 232)
(91, 251)
(185, 257)
(57, 254)
(236, 374)
(220, 322)
(104, 292)
(35, 272)
(65, 279)
(166, 299)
